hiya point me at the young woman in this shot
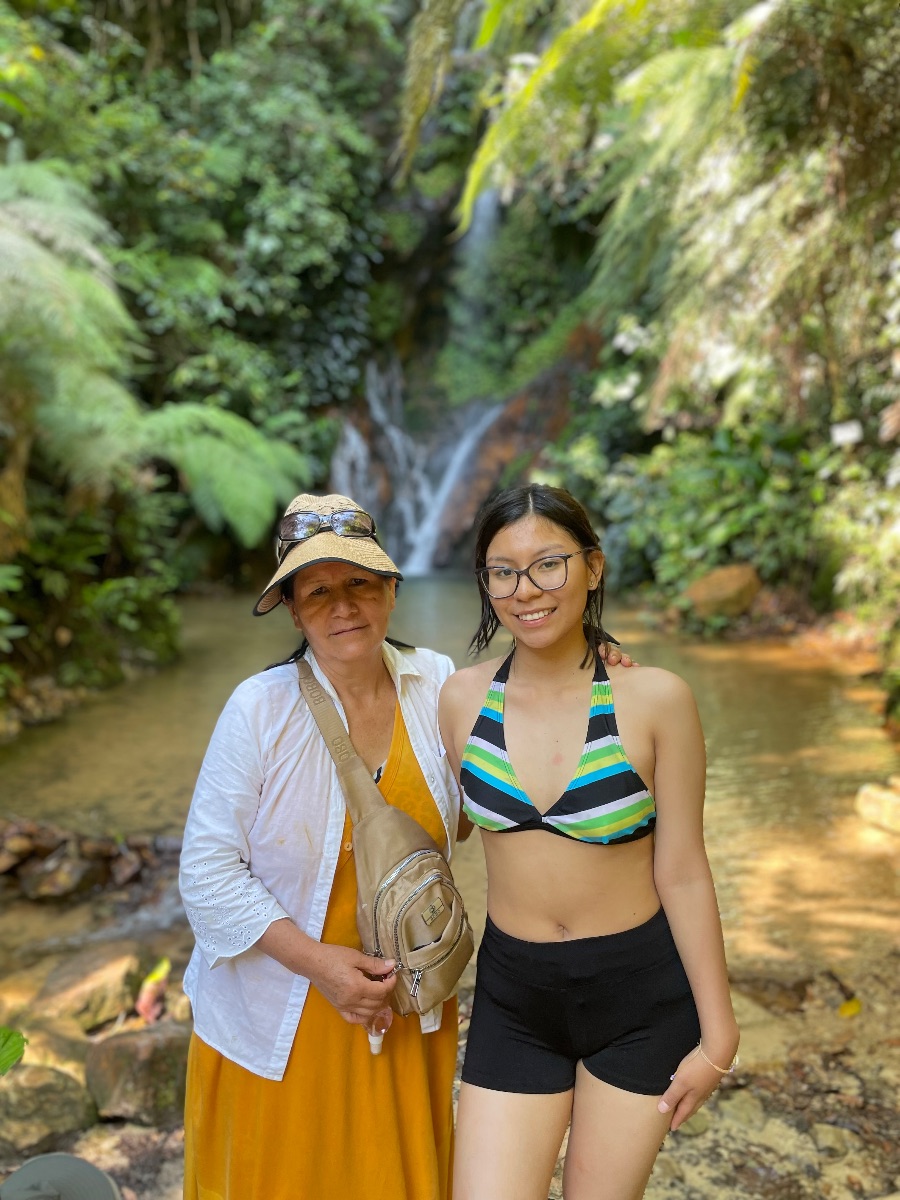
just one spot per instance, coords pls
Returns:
(602, 995)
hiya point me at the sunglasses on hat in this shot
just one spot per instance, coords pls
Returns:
(299, 526)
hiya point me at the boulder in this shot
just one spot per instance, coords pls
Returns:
(63, 873)
(724, 592)
(38, 1104)
(140, 1076)
(95, 985)
(880, 805)
(18, 989)
(57, 1042)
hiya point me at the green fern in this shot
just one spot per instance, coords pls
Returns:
(236, 476)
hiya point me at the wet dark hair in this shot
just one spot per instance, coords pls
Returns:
(560, 507)
(286, 594)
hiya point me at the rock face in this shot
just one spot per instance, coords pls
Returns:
(724, 592)
(96, 985)
(140, 1076)
(37, 1105)
(531, 420)
(43, 862)
(78, 1068)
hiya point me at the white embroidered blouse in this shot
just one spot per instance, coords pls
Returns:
(262, 841)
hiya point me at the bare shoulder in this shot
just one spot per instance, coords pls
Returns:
(460, 703)
(663, 690)
(469, 682)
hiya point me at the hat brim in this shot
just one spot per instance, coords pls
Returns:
(61, 1175)
(326, 547)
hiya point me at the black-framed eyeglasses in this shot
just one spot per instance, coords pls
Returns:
(549, 574)
(299, 526)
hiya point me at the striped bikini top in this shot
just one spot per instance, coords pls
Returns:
(605, 802)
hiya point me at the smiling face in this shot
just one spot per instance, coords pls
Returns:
(342, 610)
(535, 617)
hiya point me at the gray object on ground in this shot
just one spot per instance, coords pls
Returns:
(59, 1177)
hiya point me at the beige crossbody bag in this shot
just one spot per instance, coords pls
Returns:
(408, 907)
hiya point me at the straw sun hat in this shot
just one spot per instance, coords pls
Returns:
(323, 546)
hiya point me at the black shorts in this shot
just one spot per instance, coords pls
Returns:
(621, 1004)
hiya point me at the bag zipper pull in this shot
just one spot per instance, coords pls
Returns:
(414, 990)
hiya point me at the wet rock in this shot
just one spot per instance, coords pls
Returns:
(125, 867)
(45, 863)
(63, 873)
(38, 1104)
(19, 988)
(95, 985)
(8, 860)
(57, 1042)
(42, 700)
(98, 847)
(776, 995)
(20, 845)
(140, 1076)
(833, 1140)
(879, 806)
(724, 592)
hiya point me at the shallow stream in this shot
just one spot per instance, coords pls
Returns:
(791, 735)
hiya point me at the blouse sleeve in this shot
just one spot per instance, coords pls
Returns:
(229, 909)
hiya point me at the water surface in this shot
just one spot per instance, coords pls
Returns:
(790, 738)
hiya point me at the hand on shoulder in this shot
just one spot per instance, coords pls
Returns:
(663, 692)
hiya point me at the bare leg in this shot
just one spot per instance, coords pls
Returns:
(613, 1143)
(507, 1143)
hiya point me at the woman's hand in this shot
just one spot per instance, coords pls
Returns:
(692, 1085)
(356, 984)
(614, 656)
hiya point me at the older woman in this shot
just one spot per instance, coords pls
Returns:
(284, 1098)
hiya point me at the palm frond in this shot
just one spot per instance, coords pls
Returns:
(505, 15)
(599, 39)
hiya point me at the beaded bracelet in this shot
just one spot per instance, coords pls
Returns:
(722, 1070)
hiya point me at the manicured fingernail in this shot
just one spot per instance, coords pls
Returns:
(662, 1106)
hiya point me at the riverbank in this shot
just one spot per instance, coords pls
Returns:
(810, 1114)
(807, 889)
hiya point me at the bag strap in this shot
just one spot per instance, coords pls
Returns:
(360, 792)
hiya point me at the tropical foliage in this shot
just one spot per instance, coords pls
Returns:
(211, 216)
(186, 229)
(740, 166)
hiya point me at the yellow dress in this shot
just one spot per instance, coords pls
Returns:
(343, 1123)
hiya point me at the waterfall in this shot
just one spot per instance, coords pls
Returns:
(421, 556)
(405, 484)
